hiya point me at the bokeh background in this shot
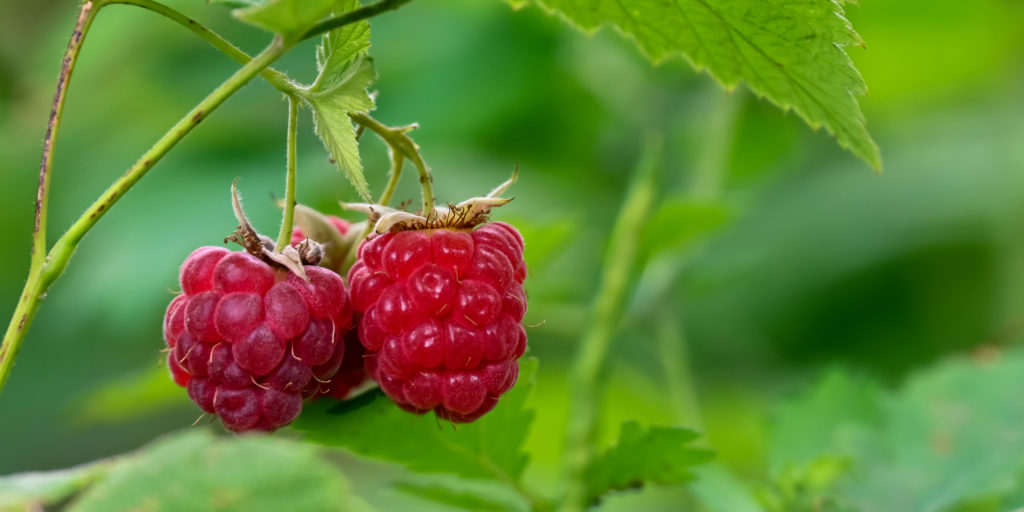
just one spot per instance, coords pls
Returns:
(779, 255)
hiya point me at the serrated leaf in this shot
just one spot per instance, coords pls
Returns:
(654, 454)
(197, 471)
(339, 48)
(40, 490)
(489, 448)
(335, 128)
(284, 16)
(788, 51)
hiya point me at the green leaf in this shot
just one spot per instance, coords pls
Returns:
(338, 49)
(446, 495)
(39, 490)
(197, 471)
(489, 448)
(288, 17)
(654, 454)
(791, 52)
(345, 74)
(926, 448)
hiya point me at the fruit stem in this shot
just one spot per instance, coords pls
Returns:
(397, 163)
(605, 314)
(285, 237)
(399, 140)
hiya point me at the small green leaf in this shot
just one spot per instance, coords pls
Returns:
(338, 49)
(655, 454)
(197, 471)
(788, 51)
(340, 88)
(489, 448)
(286, 17)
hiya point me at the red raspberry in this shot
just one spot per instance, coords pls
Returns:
(246, 339)
(441, 316)
(340, 224)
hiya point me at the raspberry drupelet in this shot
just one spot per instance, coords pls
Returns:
(247, 339)
(441, 312)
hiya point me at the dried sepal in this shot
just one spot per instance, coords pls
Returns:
(465, 215)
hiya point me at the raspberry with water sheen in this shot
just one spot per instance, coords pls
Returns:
(441, 316)
(246, 339)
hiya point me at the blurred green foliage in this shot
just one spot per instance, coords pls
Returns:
(777, 256)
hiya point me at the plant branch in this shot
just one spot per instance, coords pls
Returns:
(399, 140)
(605, 314)
(289, 191)
(352, 16)
(274, 77)
(85, 17)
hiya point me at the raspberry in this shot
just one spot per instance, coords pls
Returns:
(441, 316)
(247, 339)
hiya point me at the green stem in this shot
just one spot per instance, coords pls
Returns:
(275, 78)
(605, 314)
(40, 278)
(289, 191)
(85, 17)
(399, 140)
(397, 163)
(31, 295)
(352, 16)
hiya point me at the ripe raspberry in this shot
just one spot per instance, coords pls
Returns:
(246, 338)
(441, 316)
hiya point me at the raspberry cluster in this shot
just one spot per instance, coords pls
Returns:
(249, 341)
(441, 314)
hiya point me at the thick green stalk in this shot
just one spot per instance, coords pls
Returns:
(289, 190)
(606, 311)
(399, 140)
